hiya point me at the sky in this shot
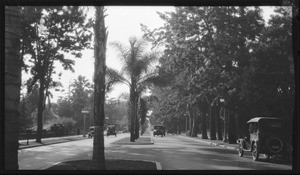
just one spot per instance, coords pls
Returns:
(123, 22)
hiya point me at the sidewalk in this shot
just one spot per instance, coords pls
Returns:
(212, 142)
(49, 141)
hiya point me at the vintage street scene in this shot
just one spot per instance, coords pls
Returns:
(150, 88)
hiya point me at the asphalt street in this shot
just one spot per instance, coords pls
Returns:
(180, 153)
(172, 152)
(42, 157)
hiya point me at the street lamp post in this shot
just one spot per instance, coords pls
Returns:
(84, 112)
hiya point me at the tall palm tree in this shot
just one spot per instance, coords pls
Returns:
(100, 40)
(135, 74)
(12, 85)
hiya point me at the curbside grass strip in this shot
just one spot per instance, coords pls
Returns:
(157, 164)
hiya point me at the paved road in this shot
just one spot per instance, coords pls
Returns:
(42, 157)
(179, 153)
(172, 152)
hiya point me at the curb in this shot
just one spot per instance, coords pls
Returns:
(210, 143)
(151, 138)
(158, 166)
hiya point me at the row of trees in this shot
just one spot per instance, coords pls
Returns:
(224, 61)
(45, 34)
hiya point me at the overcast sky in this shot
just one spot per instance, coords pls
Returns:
(122, 22)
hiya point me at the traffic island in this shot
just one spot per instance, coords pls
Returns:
(110, 164)
(140, 141)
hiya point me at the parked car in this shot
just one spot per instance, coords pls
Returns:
(111, 130)
(267, 136)
(159, 130)
(91, 132)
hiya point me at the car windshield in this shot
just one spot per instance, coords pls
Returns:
(271, 125)
(158, 127)
(111, 126)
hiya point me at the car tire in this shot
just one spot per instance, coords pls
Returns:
(255, 152)
(240, 150)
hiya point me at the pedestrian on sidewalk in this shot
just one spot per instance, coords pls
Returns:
(78, 131)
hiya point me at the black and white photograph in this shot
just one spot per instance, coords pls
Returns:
(150, 88)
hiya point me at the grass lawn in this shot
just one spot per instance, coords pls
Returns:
(111, 164)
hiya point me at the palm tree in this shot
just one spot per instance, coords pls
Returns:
(100, 39)
(81, 90)
(12, 85)
(135, 74)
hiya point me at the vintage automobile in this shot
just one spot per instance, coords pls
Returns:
(159, 130)
(267, 136)
(111, 130)
(91, 132)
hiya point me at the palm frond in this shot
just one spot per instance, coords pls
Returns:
(148, 59)
(154, 80)
(123, 51)
(124, 96)
(114, 77)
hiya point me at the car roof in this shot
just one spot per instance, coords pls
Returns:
(256, 119)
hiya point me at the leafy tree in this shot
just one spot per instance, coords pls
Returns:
(51, 34)
(81, 90)
(65, 108)
(272, 68)
(28, 105)
(212, 47)
(12, 86)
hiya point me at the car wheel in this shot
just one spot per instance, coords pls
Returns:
(255, 152)
(240, 150)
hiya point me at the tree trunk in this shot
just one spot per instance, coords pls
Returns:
(100, 40)
(12, 86)
(137, 128)
(226, 112)
(231, 129)
(212, 122)
(195, 122)
(179, 128)
(218, 121)
(132, 114)
(40, 111)
(203, 129)
(191, 117)
(239, 132)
